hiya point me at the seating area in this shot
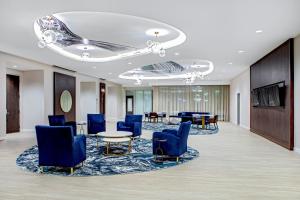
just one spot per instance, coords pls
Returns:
(150, 100)
(202, 120)
(60, 146)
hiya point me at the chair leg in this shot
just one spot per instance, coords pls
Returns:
(71, 170)
(177, 159)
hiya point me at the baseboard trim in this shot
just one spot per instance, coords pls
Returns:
(297, 150)
(27, 130)
(245, 127)
(241, 125)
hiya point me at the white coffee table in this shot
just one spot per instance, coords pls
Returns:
(115, 137)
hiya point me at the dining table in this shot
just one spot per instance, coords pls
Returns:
(202, 117)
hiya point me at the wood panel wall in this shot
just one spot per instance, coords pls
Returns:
(64, 82)
(275, 124)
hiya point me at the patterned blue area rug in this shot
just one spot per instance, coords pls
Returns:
(97, 164)
(194, 129)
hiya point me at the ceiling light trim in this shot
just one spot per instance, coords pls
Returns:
(142, 51)
(185, 75)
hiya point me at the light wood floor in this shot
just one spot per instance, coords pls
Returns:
(234, 164)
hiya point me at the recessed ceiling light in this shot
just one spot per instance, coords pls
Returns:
(176, 54)
(85, 41)
(15, 66)
(258, 31)
(154, 31)
(241, 51)
(130, 63)
(230, 63)
(94, 67)
(110, 73)
(85, 47)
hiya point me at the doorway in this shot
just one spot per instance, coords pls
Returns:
(12, 104)
(129, 105)
(102, 98)
(238, 108)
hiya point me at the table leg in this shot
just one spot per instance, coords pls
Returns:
(129, 146)
(203, 122)
(107, 147)
(81, 129)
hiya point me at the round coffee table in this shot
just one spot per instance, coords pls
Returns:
(115, 137)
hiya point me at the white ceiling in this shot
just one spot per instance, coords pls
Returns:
(216, 30)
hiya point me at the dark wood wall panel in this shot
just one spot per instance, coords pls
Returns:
(64, 82)
(275, 124)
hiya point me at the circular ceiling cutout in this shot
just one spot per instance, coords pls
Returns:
(181, 69)
(101, 36)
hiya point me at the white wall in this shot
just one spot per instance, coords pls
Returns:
(2, 98)
(32, 99)
(297, 94)
(115, 109)
(88, 99)
(240, 84)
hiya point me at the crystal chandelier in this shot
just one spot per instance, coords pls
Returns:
(138, 82)
(191, 77)
(51, 32)
(190, 80)
(155, 46)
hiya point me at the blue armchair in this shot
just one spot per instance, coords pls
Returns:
(133, 123)
(60, 120)
(96, 123)
(59, 147)
(176, 140)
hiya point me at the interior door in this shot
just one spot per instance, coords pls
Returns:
(129, 105)
(102, 98)
(12, 104)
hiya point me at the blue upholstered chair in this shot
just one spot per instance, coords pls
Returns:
(96, 123)
(60, 120)
(133, 123)
(59, 147)
(176, 140)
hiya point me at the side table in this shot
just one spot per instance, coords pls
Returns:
(159, 152)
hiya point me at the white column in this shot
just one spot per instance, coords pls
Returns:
(297, 94)
(2, 99)
(48, 93)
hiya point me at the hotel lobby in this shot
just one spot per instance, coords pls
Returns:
(151, 100)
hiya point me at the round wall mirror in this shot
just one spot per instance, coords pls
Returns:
(66, 101)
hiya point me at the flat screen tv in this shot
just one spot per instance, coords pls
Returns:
(269, 96)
